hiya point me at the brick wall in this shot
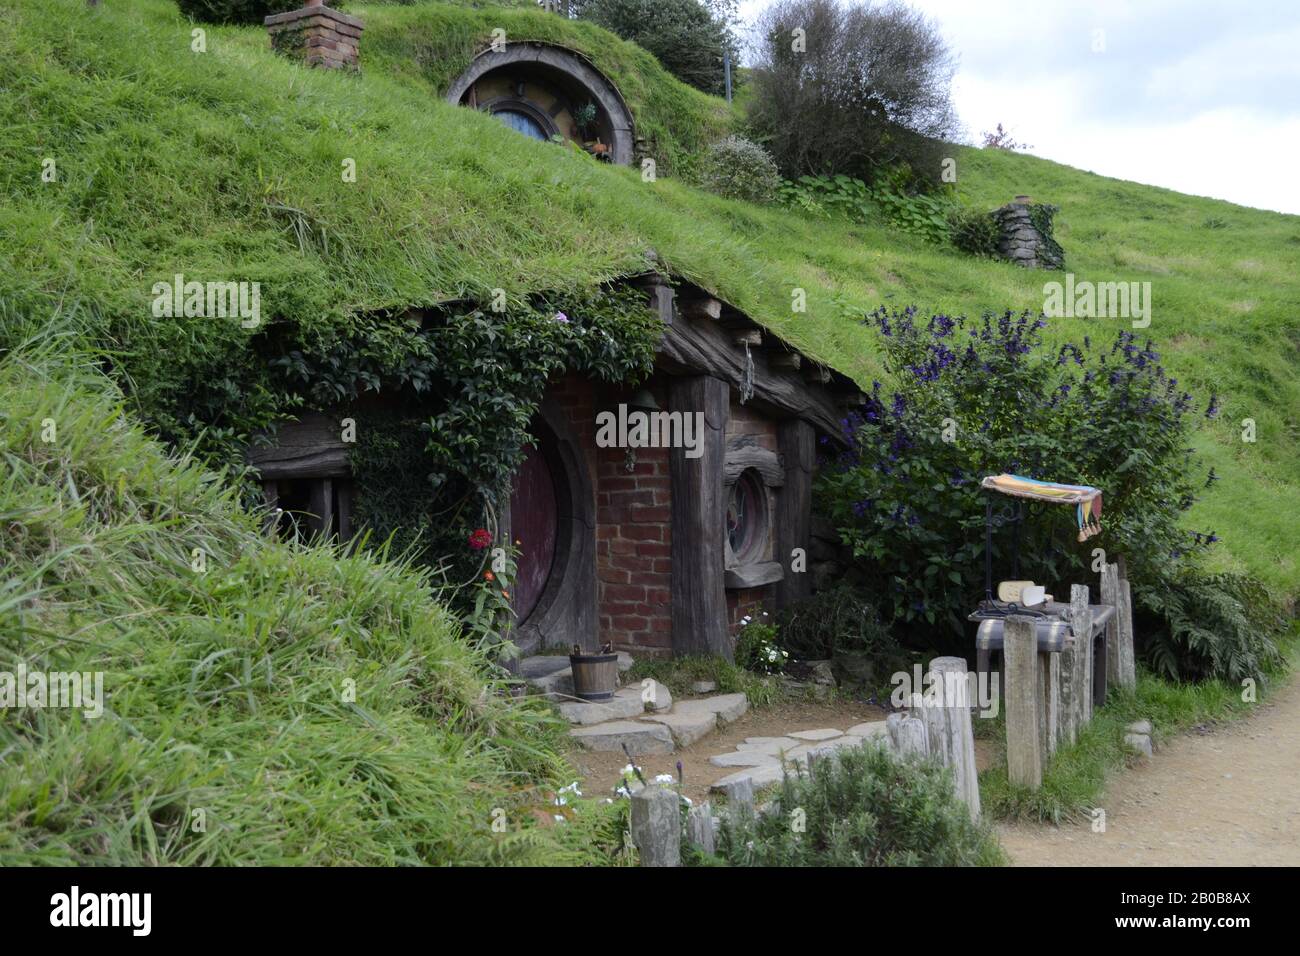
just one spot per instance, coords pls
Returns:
(634, 521)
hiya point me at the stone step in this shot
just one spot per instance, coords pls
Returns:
(628, 702)
(693, 720)
(640, 736)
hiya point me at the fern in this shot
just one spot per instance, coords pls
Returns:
(1197, 626)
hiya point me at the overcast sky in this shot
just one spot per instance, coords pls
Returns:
(1201, 96)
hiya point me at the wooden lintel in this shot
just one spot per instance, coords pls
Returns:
(747, 336)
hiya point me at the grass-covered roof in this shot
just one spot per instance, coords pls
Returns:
(227, 164)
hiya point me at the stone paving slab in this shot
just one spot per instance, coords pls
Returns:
(687, 726)
(744, 758)
(825, 733)
(768, 745)
(874, 728)
(728, 707)
(641, 737)
(619, 707)
(757, 776)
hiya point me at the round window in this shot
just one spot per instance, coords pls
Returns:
(746, 517)
(521, 122)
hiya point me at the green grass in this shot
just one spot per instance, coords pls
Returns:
(1075, 778)
(225, 687)
(226, 165)
(678, 673)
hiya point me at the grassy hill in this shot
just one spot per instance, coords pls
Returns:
(225, 164)
(227, 734)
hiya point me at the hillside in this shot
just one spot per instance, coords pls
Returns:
(225, 164)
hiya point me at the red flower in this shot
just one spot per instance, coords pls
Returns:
(479, 539)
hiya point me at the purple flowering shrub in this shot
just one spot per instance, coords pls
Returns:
(981, 397)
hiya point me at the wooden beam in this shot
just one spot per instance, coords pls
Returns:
(796, 440)
(783, 360)
(706, 308)
(752, 336)
(699, 599)
(691, 347)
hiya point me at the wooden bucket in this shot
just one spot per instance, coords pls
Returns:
(594, 675)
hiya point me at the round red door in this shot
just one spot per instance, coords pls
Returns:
(533, 523)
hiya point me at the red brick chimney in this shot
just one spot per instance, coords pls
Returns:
(318, 34)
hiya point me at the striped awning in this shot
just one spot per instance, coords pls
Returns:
(1086, 499)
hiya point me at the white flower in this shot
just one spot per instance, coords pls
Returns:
(664, 778)
(686, 800)
(558, 818)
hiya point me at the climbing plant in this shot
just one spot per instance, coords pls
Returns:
(433, 460)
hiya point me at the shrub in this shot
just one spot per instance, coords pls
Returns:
(234, 11)
(983, 397)
(864, 808)
(1195, 626)
(835, 620)
(888, 200)
(685, 35)
(868, 91)
(973, 232)
(740, 169)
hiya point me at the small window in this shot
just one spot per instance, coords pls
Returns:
(312, 507)
(746, 519)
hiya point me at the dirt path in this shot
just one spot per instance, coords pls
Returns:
(1228, 796)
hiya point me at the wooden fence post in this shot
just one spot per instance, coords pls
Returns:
(1081, 626)
(1023, 696)
(699, 827)
(1110, 595)
(1127, 661)
(907, 735)
(945, 709)
(657, 826)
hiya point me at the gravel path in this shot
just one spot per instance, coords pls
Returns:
(1221, 796)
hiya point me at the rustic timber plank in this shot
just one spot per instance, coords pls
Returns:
(699, 599)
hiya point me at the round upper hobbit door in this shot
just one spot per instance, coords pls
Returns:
(545, 91)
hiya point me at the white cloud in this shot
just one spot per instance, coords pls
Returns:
(1184, 96)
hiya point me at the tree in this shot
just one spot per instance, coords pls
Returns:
(688, 37)
(1002, 139)
(852, 89)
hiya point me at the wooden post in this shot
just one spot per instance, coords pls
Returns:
(907, 735)
(1110, 595)
(1125, 653)
(795, 439)
(699, 827)
(945, 708)
(699, 599)
(657, 826)
(1049, 666)
(1081, 675)
(1022, 696)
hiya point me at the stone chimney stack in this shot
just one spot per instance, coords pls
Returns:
(317, 34)
(1021, 240)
